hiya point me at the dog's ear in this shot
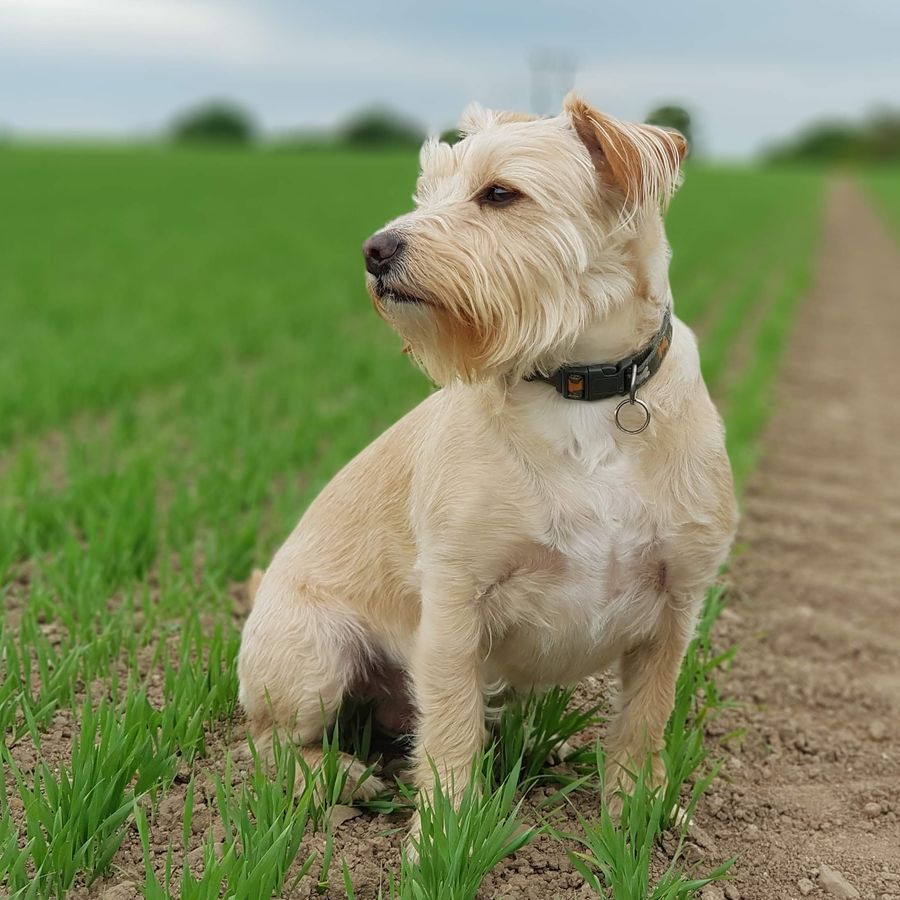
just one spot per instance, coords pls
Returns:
(643, 161)
(476, 118)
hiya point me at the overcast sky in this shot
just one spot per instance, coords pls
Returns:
(750, 72)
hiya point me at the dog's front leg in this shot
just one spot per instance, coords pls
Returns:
(446, 674)
(649, 673)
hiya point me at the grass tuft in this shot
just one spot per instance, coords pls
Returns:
(74, 820)
(264, 821)
(532, 730)
(617, 852)
(458, 841)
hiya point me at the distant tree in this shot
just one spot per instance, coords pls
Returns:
(822, 142)
(215, 122)
(884, 135)
(876, 139)
(672, 116)
(451, 136)
(380, 127)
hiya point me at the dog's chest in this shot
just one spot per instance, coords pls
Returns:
(605, 580)
(604, 528)
(589, 493)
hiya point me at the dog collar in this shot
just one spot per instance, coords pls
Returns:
(600, 381)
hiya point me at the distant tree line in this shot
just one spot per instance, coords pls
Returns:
(874, 140)
(221, 122)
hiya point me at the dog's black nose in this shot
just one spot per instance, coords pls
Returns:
(381, 251)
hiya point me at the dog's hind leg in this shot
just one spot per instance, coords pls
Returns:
(296, 662)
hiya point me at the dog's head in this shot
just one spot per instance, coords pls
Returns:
(520, 238)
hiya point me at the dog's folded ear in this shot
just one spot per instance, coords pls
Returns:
(643, 161)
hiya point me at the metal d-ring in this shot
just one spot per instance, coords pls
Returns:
(632, 400)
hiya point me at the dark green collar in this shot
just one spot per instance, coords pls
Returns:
(600, 381)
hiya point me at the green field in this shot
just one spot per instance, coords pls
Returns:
(187, 355)
(884, 188)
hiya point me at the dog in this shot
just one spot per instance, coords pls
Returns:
(511, 532)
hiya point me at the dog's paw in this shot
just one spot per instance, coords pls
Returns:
(244, 755)
(357, 783)
(620, 777)
(560, 753)
(613, 801)
(359, 786)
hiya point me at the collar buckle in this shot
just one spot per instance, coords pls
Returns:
(591, 382)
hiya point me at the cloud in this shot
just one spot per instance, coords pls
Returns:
(222, 32)
(207, 30)
(91, 58)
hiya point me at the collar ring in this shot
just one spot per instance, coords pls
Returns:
(632, 400)
(635, 402)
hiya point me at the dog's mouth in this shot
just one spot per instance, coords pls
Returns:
(400, 297)
(388, 294)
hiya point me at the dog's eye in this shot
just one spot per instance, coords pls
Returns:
(497, 195)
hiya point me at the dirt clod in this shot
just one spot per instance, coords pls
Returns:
(342, 813)
(805, 886)
(751, 833)
(835, 884)
(701, 836)
(125, 890)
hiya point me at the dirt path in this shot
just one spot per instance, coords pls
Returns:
(816, 780)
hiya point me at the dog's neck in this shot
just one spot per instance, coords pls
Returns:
(643, 294)
(623, 331)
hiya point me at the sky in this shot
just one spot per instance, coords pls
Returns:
(750, 73)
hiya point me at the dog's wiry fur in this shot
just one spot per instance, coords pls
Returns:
(500, 535)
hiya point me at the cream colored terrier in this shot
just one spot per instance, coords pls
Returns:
(509, 533)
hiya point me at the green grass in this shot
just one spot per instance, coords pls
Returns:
(533, 730)
(188, 356)
(458, 843)
(617, 851)
(264, 822)
(73, 819)
(883, 185)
